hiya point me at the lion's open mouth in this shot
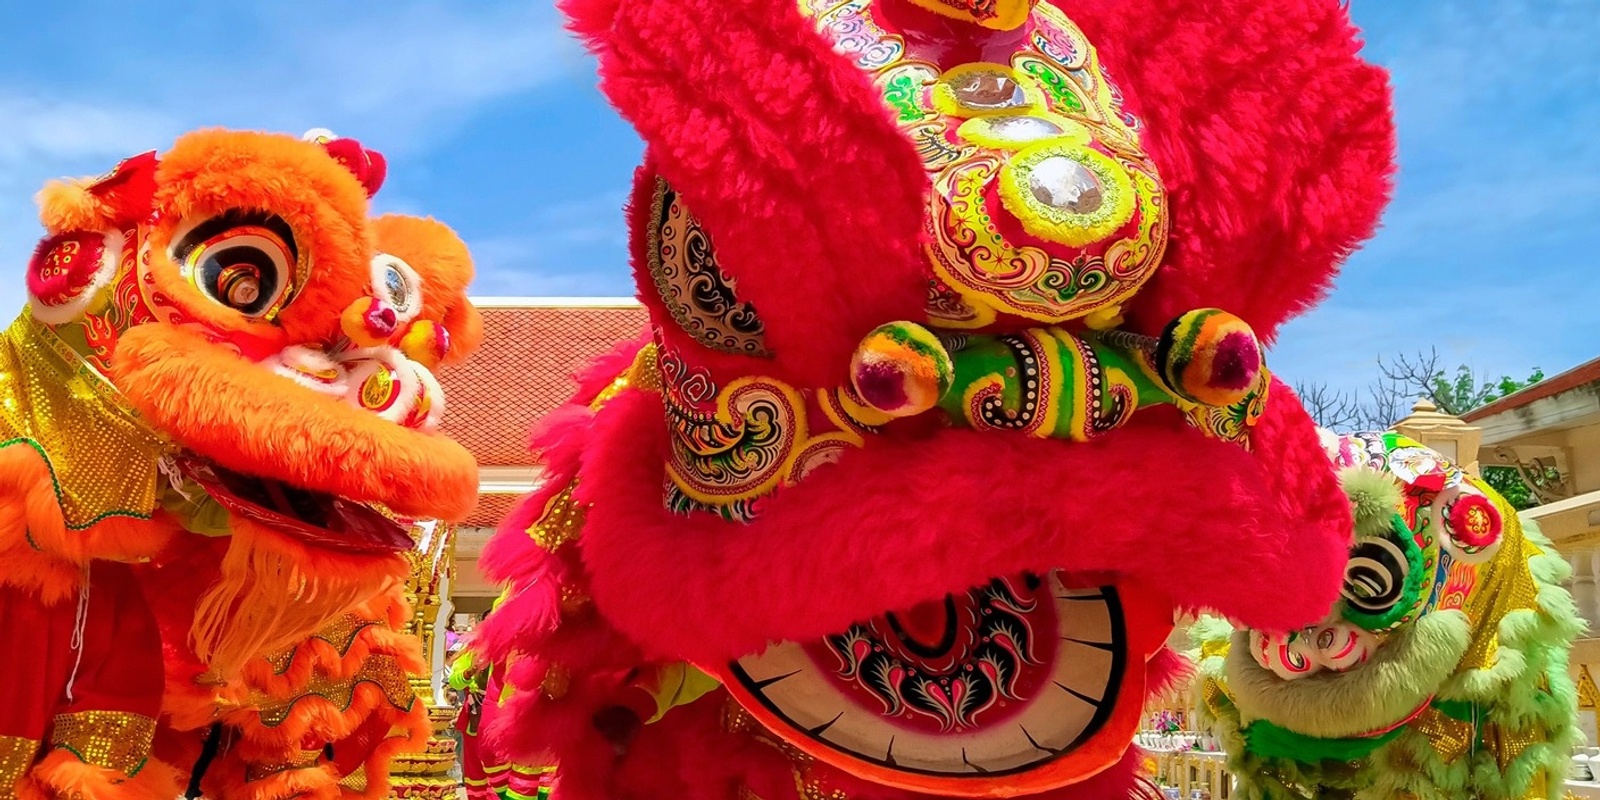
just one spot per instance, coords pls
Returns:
(313, 517)
(1023, 682)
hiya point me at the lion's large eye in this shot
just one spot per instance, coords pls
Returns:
(244, 261)
(1384, 580)
(395, 282)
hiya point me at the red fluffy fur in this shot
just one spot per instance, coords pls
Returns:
(1276, 144)
(1179, 511)
(774, 142)
(1274, 139)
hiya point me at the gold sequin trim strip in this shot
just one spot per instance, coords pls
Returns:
(383, 672)
(16, 755)
(115, 740)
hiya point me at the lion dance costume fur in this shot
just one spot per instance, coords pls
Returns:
(217, 413)
(953, 392)
(1441, 672)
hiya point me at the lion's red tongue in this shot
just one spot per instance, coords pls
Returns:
(314, 518)
(1020, 685)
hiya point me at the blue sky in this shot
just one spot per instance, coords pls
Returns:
(491, 121)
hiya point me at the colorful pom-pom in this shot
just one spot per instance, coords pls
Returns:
(1472, 525)
(901, 369)
(1209, 357)
(425, 342)
(368, 322)
(67, 273)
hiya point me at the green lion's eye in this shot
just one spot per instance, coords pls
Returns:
(1384, 579)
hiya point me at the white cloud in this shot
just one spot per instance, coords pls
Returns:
(401, 75)
(404, 72)
(39, 129)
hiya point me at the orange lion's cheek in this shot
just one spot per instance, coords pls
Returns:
(278, 417)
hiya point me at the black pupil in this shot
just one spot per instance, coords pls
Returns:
(239, 275)
(226, 272)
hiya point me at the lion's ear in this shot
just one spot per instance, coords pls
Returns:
(122, 197)
(1274, 137)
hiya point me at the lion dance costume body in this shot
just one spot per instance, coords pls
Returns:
(217, 414)
(952, 394)
(1441, 672)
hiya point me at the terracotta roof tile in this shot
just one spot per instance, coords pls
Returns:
(491, 509)
(524, 370)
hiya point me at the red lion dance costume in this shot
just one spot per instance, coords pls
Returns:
(217, 416)
(952, 395)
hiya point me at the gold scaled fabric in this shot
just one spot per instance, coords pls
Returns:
(103, 458)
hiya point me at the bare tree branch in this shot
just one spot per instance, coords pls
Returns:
(1331, 409)
(1420, 377)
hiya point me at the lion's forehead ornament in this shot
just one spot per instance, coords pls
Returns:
(1044, 216)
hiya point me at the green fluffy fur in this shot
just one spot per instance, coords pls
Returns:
(1533, 652)
(1400, 677)
(1373, 498)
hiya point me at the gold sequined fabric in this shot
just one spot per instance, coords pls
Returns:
(560, 523)
(16, 755)
(384, 672)
(645, 374)
(1451, 738)
(1504, 585)
(102, 456)
(356, 781)
(1509, 745)
(116, 740)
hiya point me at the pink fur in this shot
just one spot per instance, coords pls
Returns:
(1276, 144)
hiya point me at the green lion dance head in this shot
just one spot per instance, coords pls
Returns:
(1440, 674)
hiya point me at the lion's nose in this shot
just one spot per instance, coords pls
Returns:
(369, 322)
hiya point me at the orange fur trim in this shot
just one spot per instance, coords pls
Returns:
(67, 205)
(30, 512)
(230, 410)
(274, 592)
(187, 705)
(316, 656)
(209, 172)
(62, 775)
(444, 263)
(314, 717)
(226, 779)
(414, 731)
(33, 532)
